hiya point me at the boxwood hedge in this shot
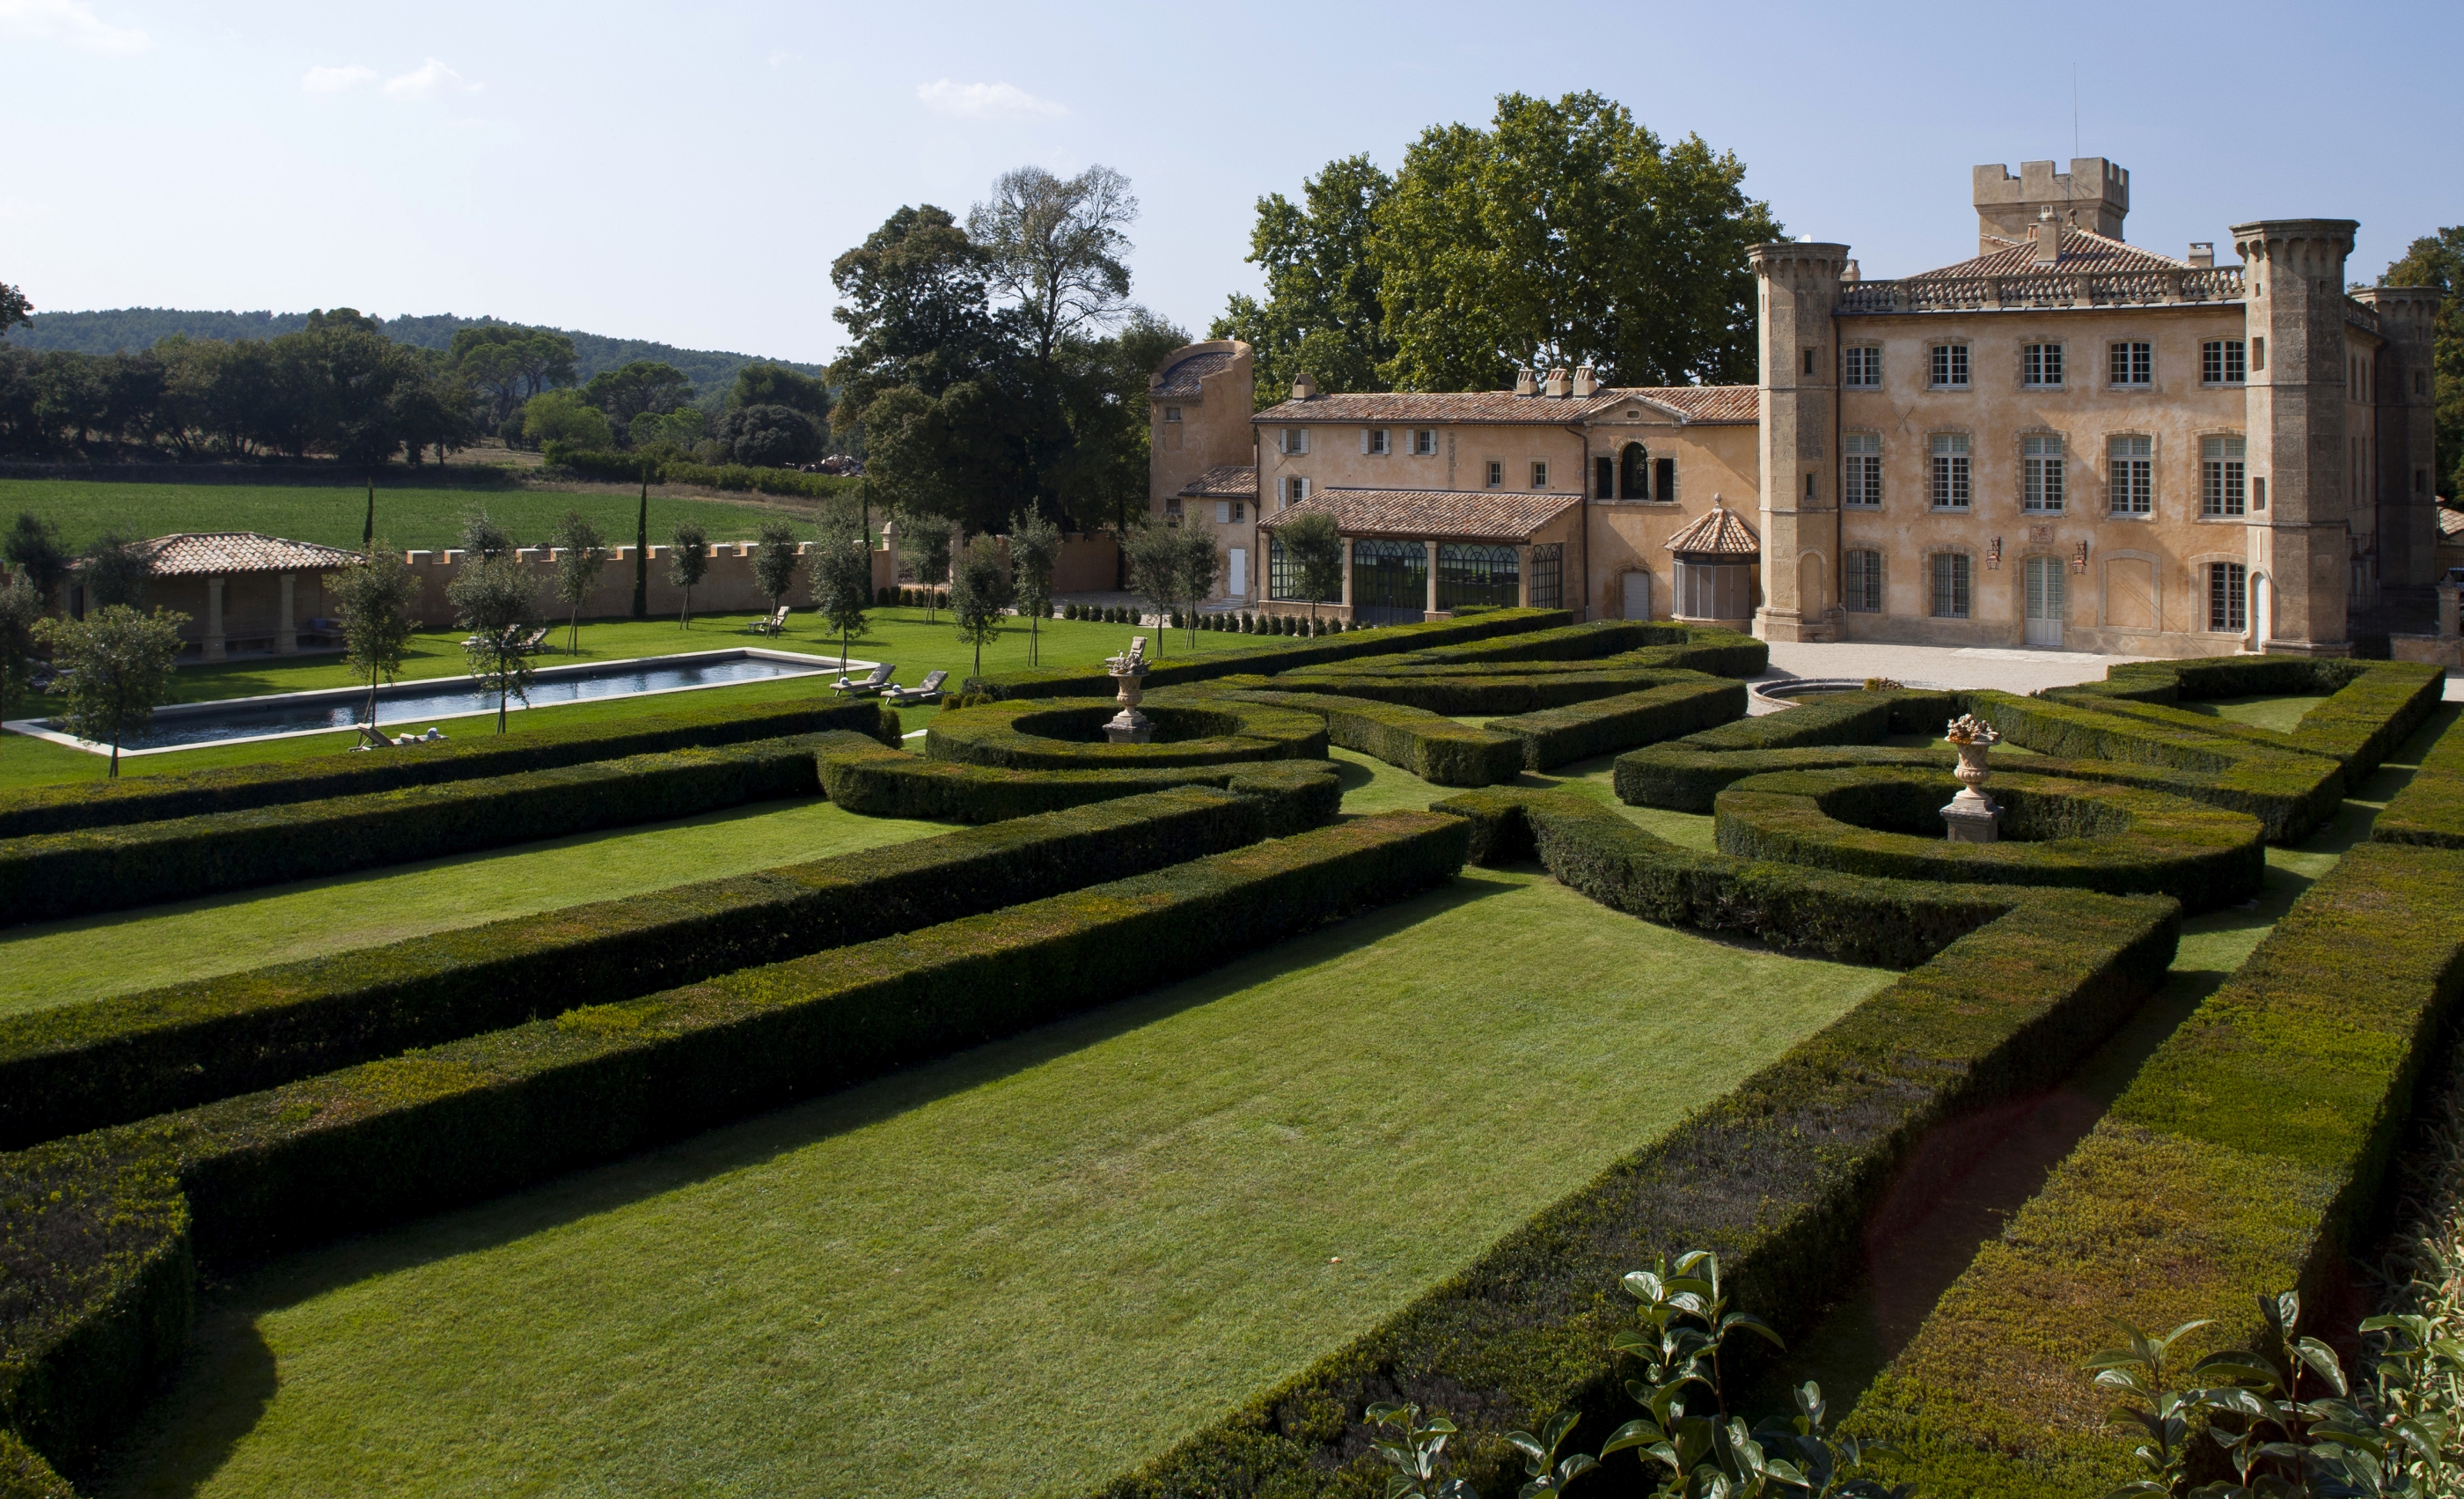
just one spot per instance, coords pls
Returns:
(1435, 748)
(2430, 808)
(145, 798)
(1780, 1176)
(1604, 725)
(105, 1223)
(2360, 723)
(1067, 734)
(2245, 1158)
(1886, 822)
(135, 864)
(1299, 794)
(81, 1066)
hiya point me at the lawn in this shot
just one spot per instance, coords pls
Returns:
(409, 517)
(900, 635)
(963, 1279)
(94, 956)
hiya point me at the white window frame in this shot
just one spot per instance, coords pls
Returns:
(1292, 440)
(1496, 472)
(1953, 488)
(2042, 472)
(2224, 363)
(2041, 366)
(2130, 364)
(1861, 470)
(1295, 489)
(1949, 577)
(1223, 512)
(1539, 474)
(1949, 367)
(2234, 597)
(1861, 366)
(2130, 475)
(2224, 479)
(1424, 442)
(1374, 441)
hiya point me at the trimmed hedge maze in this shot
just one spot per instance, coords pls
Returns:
(215, 1123)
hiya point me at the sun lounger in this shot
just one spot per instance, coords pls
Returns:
(771, 623)
(929, 692)
(870, 686)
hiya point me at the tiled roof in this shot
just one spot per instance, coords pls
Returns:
(2082, 249)
(1181, 379)
(2450, 522)
(1224, 481)
(1485, 515)
(1688, 402)
(218, 553)
(1721, 532)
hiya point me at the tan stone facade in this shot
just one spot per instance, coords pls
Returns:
(2066, 442)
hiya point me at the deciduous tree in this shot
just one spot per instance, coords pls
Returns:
(1315, 547)
(2439, 260)
(643, 385)
(495, 598)
(32, 547)
(581, 555)
(1034, 552)
(116, 666)
(842, 579)
(563, 416)
(373, 599)
(1324, 308)
(775, 561)
(980, 590)
(776, 384)
(114, 570)
(21, 609)
(688, 561)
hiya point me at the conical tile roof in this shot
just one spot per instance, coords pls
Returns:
(1720, 532)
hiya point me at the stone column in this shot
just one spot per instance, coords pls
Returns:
(1347, 579)
(286, 624)
(1523, 574)
(1799, 298)
(213, 641)
(2294, 299)
(1431, 549)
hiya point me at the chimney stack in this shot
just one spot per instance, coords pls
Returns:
(1524, 383)
(1304, 385)
(1585, 381)
(2203, 254)
(1558, 383)
(2049, 239)
(1848, 270)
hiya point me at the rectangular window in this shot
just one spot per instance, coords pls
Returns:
(2134, 364)
(1950, 366)
(1172, 414)
(2040, 473)
(1950, 471)
(1239, 510)
(1863, 368)
(1548, 575)
(1539, 475)
(1172, 509)
(2258, 354)
(1424, 442)
(1223, 512)
(2221, 475)
(1809, 355)
(2132, 479)
(1861, 468)
(2228, 597)
(1863, 584)
(1295, 491)
(1947, 585)
(1604, 477)
(2040, 365)
(1663, 480)
(1496, 473)
(1373, 441)
(2220, 363)
(1293, 440)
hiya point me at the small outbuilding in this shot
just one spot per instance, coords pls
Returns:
(244, 592)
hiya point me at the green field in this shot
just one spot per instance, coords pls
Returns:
(963, 1279)
(411, 519)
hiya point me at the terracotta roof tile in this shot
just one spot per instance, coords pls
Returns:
(2083, 251)
(1224, 481)
(2450, 522)
(1182, 378)
(1485, 515)
(1688, 402)
(217, 553)
(1721, 532)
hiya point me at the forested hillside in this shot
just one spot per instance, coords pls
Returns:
(130, 329)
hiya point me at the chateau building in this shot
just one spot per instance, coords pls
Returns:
(2064, 441)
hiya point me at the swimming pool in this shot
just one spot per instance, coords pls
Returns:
(406, 707)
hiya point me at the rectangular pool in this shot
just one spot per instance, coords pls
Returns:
(409, 707)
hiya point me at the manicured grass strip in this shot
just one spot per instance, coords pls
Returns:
(1386, 640)
(115, 868)
(2244, 1159)
(1436, 749)
(1067, 734)
(96, 958)
(1282, 1156)
(1778, 1176)
(1887, 823)
(79, 1068)
(1561, 735)
(2430, 810)
(393, 1138)
(142, 799)
(886, 782)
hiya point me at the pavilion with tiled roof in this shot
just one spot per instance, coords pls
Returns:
(241, 590)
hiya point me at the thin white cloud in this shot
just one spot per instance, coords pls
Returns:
(336, 80)
(426, 82)
(69, 21)
(985, 100)
(780, 59)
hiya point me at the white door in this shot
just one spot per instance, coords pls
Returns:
(1238, 584)
(1638, 596)
(2048, 601)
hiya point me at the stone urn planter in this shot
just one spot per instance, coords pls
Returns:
(1130, 727)
(1972, 817)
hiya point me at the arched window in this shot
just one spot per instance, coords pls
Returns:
(1390, 580)
(1478, 575)
(1634, 473)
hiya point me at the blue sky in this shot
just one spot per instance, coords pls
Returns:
(687, 172)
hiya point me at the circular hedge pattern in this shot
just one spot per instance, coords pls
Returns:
(1886, 822)
(1067, 733)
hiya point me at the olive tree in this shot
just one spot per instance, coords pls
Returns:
(775, 563)
(116, 666)
(495, 599)
(687, 562)
(1315, 549)
(927, 537)
(980, 590)
(1034, 551)
(1195, 577)
(1155, 567)
(843, 581)
(374, 600)
(581, 553)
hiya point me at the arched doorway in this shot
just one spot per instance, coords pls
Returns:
(2262, 611)
(1634, 473)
